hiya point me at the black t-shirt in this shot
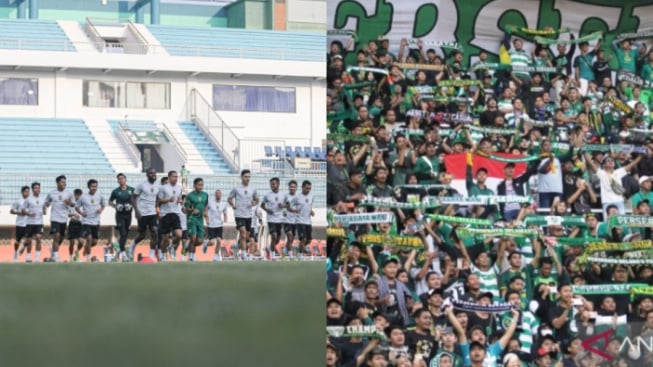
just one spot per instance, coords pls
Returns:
(421, 344)
(568, 185)
(349, 350)
(556, 311)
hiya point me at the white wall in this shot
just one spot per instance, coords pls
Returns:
(60, 96)
(171, 159)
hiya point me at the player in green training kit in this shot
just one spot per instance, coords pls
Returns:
(121, 200)
(195, 209)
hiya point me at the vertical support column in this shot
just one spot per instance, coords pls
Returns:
(33, 9)
(22, 9)
(139, 12)
(155, 12)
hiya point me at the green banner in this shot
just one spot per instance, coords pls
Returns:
(604, 289)
(461, 220)
(364, 331)
(364, 218)
(458, 83)
(512, 29)
(637, 221)
(551, 220)
(429, 204)
(367, 69)
(644, 34)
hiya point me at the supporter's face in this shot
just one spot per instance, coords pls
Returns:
(513, 345)
(331, 357)
(421, 76)
(449, 339)
(592, 222)
(390, 270)
(381, 176)
(482, 176)
(434, 281)
(430, 150)
(381, 322)
(339, 159)
(608, 304)
(492, 103)
(514, 300)
(477, 355)
(646, 273)
(473, 281)
(515, 260)
(562, 48)
(539, 102)
(566, 293)
(483, 259)
(357, 276)
(412, 180)
(362, 113)
(607, 82)
(613, 347)
(561, 207)
(517, 285)
(403, 277)
(390, 116)
(356, 179)
(513, 363)
(620, 274)
(397, 337)
(425, 320)
(546, 270)
(646, 185)
(334, 310)
(445, 361)
(518, 44)
(649, 318)
(517, 104)
(644, 209)
(435, 300)
(371, 291)
(544, 361)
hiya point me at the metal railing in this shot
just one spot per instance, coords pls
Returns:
(94, 35)
(132, 151)
(10, 184)
(180, 150)
(216, 130)
(174, 50)
(134, 30)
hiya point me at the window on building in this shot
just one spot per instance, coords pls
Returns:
(253, 99)
(126, 94)
(15, 91)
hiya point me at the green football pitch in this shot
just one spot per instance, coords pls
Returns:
(173, 314)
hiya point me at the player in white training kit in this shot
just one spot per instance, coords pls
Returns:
(242, 198)
(90, 206)
(169, 199)
(144, 202)
(34, 226)
(18, 209)
(61, 201)
(216, 217)
(273, 203)
(302, 203)
(289, 218)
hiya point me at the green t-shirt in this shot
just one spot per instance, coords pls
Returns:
(122, 196)
(527, 273)
(196, 200)
(639, 196)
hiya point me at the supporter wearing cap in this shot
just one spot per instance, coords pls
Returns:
(644, 191)
(335, 314)
(392, 292)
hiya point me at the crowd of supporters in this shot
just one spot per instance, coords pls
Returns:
(493, 214)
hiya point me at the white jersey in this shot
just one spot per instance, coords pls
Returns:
(168, 191)
(216, 211)
(272, 200)
(146, 201)
(34, 205)
(303, 203)
(90, 204)
(60, 210)
(288, 217)
(244, 195)
(182, 219)
(21, 220)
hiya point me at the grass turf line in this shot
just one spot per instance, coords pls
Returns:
(179, 314)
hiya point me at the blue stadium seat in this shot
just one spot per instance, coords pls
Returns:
(278, 151)
(289, 152)
(299, 152)
(268, 151)
(316, 155)
(31, 34)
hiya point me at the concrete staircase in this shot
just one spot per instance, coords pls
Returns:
(195, 162)
(114, 149)
(76, 35)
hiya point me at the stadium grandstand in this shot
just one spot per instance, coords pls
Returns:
(206, 88)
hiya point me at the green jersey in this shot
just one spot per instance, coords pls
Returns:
(122, 197)
(196, 200)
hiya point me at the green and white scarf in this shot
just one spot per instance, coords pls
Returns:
(535, 32)
(551, 220)
(588, 38)
(639, 221)
(367, 69)
(644, 34)
(620, 261)
(461, 220)
(604, 289)
(381, 203)
(403, 65)
(498, 232)
(342, 32)
(435, 43)
(491, 130)
(365, 331)
(364, 218)
(458, 83)
(635, 79)
(359, 85)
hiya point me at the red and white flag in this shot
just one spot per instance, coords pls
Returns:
(456, 164)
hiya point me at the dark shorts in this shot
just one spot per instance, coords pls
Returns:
(244, 222)
(57, 227)
(20, 233)
(304, 232)
(169, 223)
(215, 233)
(151, 221)
(253, 234)
(290, 228)
(89, 230)
(123, 220)
(275, 228)
(74, 230)
(32, 230)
